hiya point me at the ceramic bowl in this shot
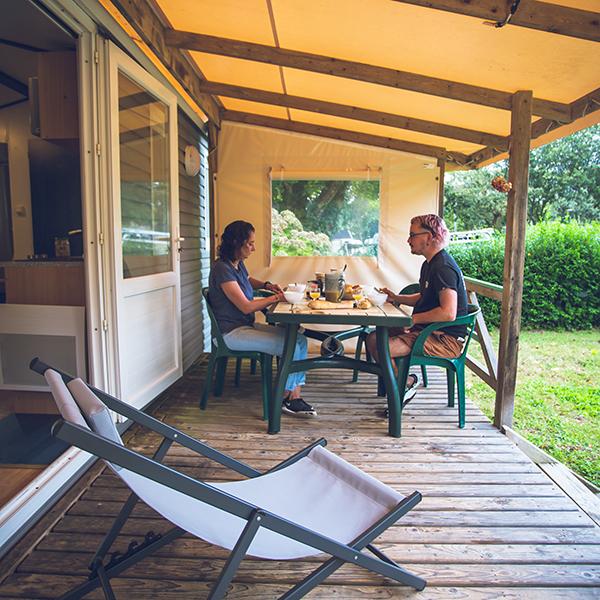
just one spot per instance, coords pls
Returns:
(377, 298)
(367, 290)
(293, 297)
(296, 287)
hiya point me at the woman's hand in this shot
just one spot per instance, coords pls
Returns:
(273, 287)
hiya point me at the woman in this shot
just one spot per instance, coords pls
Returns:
(232, 301)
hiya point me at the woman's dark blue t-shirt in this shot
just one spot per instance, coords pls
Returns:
(228, 315)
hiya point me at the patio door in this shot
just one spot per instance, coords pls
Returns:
(144, 244)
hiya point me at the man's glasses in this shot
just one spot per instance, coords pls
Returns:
(412, 235)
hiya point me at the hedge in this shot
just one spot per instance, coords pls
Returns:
(561, 288)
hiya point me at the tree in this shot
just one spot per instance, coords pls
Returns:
(564, 184)
(471, 202)
(564, 179)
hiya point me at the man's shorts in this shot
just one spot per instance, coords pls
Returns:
(437, 344)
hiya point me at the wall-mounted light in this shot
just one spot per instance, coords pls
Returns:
(191, 160)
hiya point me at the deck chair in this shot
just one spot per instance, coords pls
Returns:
(348, 508)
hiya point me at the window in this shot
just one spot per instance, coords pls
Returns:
(144, 163)
(325, 217)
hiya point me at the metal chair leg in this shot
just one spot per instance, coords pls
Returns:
(460, 384)
(238, 370)
(220, 376)
(450, 381)
(210, 369)
(424, 375)
(236, 557)
(357, 355)
(266, 368)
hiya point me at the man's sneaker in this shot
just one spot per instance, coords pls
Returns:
(298, 407)
(411, 388)
(409, 393)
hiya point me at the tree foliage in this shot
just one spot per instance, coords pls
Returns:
(290, 238)
(564, 184)
(330, 206)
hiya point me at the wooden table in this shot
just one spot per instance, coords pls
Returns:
(384, 317)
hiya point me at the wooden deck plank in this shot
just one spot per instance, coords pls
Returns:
(403, 553)
(257, 571)
(491, 524)
(21, 586)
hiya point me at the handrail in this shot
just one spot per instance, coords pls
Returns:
(484, 288)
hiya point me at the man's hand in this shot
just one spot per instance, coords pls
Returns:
(391, 297)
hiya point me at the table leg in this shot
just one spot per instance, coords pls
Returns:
(291, 334)
(391, 385)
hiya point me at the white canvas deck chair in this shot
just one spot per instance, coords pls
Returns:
(314, 502)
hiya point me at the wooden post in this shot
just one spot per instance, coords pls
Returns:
(442, 166)
(213, 167)
(514, 257)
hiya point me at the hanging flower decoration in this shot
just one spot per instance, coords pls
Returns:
(500, 184)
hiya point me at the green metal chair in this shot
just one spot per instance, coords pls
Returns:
(218, 358)
(411, 288)
(455, 367)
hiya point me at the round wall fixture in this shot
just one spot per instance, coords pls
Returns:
(191, 160)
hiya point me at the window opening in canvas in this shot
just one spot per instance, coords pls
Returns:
(325, 217)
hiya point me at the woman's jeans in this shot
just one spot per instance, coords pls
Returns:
(270, 340)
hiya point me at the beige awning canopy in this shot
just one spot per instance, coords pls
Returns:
(396, 74)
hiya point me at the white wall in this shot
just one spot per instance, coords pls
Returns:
(14, 129)
(409, 186)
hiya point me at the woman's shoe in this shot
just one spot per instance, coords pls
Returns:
(298, 407)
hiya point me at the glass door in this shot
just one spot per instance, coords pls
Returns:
(144, 238)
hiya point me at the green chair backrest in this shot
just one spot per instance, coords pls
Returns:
(411, 288)
(216, 334)
(468, 320)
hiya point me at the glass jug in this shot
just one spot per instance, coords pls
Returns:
(334, 286)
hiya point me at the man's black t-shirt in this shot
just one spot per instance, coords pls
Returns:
(439, 273)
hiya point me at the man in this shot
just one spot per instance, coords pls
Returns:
(442, 297)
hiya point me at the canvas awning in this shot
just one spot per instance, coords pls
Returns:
(435, 78)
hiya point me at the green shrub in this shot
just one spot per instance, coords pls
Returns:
(561, 288)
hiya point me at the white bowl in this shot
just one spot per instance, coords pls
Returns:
(296, 287)
(367, 290)
(377, 298)
(293, 297)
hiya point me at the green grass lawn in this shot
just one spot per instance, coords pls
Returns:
(557, 403)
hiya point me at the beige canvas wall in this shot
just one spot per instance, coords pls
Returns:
(409, 186)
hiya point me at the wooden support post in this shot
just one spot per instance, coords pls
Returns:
(514, 257)
(213, 167)
(442, 167)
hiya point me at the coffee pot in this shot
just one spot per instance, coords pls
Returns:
(334, 285)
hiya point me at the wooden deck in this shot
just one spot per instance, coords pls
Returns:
(491, 524)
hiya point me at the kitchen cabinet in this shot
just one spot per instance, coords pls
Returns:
(53, 283)
(57, 95)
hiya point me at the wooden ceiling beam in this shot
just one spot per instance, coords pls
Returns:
(542, 16)
(352, 112)
(358, 71)
(148, 25)
(581, 107)
(345, 135)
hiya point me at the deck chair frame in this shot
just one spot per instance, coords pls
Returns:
(152, 468)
